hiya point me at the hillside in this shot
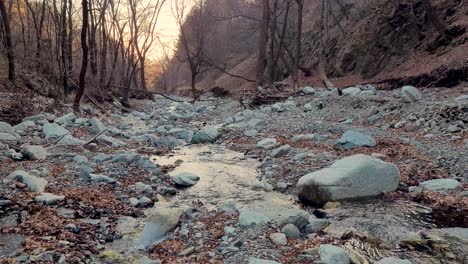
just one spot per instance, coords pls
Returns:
(373, 42)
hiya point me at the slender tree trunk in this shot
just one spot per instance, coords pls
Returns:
(70, 38)
(297, 57)
(262, 42)
(84, 63)
(271, 67)
(103, 69)
(142, 73)
(8, 42)
(64, 45)
(92, 41)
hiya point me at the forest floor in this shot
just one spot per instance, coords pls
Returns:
(117, 198)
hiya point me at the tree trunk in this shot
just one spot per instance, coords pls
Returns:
(70, 38)
(297, 56)
(84, 63)
(64, 41)
(8, 42)
(92, 41)
(142, 73)
(262, 42)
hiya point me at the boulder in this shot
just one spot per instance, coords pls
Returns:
(410, 94)
(208, 134)
(353, 139)
(114, 142)
(279, 239)
(330, 254)
(440, 185)
(257, 123)
(102, 178)
(391, 260)
(52, 130)
(267, 143)
(278, 107)
(306, 137)
(158, 225)
(250, 133)
(316, 225)
(34, 152)
(49, 198)
(38, 119)
(185, 179)
(34, 183)
(308, 107)
(349, 178)
(281, 151)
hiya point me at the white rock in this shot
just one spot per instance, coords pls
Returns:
(49, 198)
(34, 152)
(330, 254)
(279, 239)
(410, 94)
(267, 143)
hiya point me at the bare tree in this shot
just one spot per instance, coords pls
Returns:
(8, 42)
(193, 49)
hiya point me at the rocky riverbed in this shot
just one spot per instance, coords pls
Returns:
(369, 177)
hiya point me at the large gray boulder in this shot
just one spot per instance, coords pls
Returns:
(330, 254)
(353, 139)
(410, 94)
(52, 130)
(349, 178)
(8, 138)
(208, 134)
(24, 126)
(351, 91)
(34, 183)
(34, 152)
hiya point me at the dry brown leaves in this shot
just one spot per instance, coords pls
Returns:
(168, 250)
(100, 197)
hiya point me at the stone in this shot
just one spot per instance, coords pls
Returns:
(34, 152)
(146, 260)
(351, 91)
(66, 120)
(250, 133)
(111, 141)
(80, 159)
(440, 185)
(308, 107)
(308, 90)
(102, 178)
(134, 201)
(158, 225)
(187, 251)
(454, 129)
(261, 261)
(38, 119)
(208, 134)
(278, 107)
(24, 126)
(281, 151)
(145, 201)
(279, 239)
(265, 211)
(96, 125)
(291, 231)
(352, 177)
(69, 140)
(353, 139)
(9, 138)
(52, 130)
(316, 225)
(6, 128)
(392, 260)
(330, 254)
(257, 123)
(34, 183)
(267, 143)
(49, 198)
(185, 179)
(300, 138)
(410, 94)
